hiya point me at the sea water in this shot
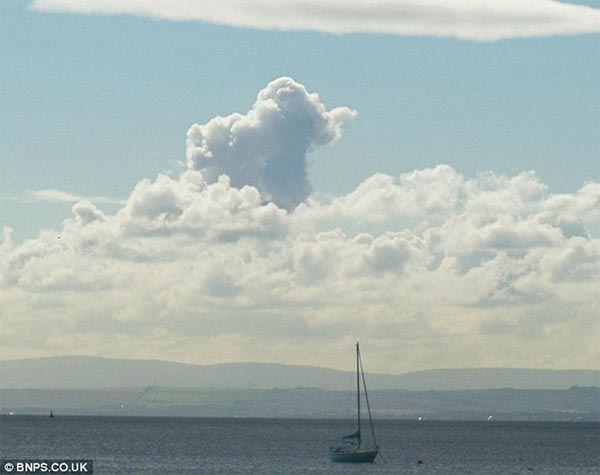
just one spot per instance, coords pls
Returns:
(179, 446)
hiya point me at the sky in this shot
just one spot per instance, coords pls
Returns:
(272, 181)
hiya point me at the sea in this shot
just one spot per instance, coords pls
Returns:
(180, 446)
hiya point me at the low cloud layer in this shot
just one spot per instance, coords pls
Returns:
(480, 20)
(429, 268)
(267, 147)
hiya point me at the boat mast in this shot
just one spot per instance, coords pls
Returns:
(367, 399)
(358, 389)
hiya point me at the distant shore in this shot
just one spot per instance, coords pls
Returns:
(574, 404)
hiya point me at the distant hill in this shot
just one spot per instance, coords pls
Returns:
(68, 372)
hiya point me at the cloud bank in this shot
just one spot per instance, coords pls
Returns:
(480, 20)
(429, 268)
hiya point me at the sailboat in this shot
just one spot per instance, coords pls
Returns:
(351, 449)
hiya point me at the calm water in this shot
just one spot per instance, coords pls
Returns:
(179, 446)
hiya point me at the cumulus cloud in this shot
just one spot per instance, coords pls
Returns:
(190, 205)
(202, 268)
(188, 264)
(267, 147)
(481, 20)
(383, 197)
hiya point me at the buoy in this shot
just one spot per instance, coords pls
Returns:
(420, 462)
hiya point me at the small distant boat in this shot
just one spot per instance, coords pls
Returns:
(51, 413)
(351, 449)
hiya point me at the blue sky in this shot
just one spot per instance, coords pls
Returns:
(455, 217)
(92, 103)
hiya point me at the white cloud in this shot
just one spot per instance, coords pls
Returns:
(190, 205)
(267, 147)
(480, 20)
(57, 196)
(463, 271)
(430, 192)
(199, 263)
